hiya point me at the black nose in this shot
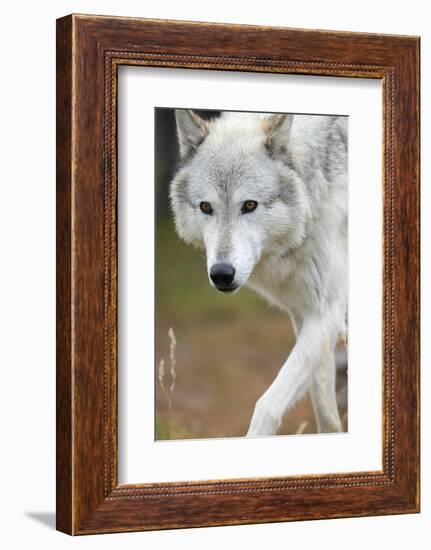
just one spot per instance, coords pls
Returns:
(222, 274)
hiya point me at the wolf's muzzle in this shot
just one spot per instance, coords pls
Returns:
(223, 275)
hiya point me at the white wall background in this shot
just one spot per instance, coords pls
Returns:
(27, 280)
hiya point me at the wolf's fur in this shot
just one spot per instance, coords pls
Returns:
(292, 249)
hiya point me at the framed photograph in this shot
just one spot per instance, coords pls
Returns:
(237, 274)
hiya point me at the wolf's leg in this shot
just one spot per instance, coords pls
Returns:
(290, 383)
(323, 394)
(293, 379)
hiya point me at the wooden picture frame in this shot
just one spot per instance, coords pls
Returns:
(89, 51)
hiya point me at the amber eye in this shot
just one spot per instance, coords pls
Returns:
(248, 207)
(206, 208)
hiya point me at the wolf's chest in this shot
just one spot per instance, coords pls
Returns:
(283, 281)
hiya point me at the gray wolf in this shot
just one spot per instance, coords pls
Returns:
(265, 195)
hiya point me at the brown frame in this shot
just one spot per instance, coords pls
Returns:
(89, 50)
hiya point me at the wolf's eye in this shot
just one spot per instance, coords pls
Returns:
(206, 208)
(248, 207)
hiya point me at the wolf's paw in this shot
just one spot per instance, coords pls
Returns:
(264, 422)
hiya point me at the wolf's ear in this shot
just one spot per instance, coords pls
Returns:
(191, 129)
(276, 129)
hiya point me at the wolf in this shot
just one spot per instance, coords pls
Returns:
(265, 195)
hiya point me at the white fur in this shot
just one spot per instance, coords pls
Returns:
(292, 249)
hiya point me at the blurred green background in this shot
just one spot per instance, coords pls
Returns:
(228, 348)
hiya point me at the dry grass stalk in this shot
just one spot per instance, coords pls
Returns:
(169, 393)
(302, 427)
(173, 362)
(161, 376)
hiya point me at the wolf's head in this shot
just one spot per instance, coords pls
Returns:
(237, 194)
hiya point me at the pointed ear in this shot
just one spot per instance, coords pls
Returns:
(191, 130)
(276, 129)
